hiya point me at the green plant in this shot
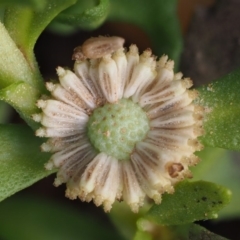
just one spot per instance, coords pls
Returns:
(21, 85)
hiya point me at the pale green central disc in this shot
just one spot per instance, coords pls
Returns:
(115, 128)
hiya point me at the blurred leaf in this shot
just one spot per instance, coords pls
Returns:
(85, 14)
(212, 165)
(192, 232)
(35, 4)
(21, 162)
(13, 65)
(178, 232)
(196, 232)
(158, 19)
(218, 166)
(28, 218)
(141, 235)
(192, 201)
(1, 13)
(22, 97)
(26, 25)
(221, 100)
(124, 219)
(5, 112)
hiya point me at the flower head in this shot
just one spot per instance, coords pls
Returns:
(120, 127)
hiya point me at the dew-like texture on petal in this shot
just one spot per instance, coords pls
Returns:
(120, 127)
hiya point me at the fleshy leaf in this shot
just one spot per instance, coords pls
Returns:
(124, 220)
(219, 166)
(197, 232)
(21, 162)
(192, 201)
(85, 14)
(35, 4)
(141, 235)
(22, 97)
(24, 217)
(221, 100)
(26, 25)
(180, 232)
(158, 19)
(13, 66)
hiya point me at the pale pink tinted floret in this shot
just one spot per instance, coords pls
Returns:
(156, 163)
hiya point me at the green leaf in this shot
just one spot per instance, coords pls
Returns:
(192, 201)
(21, 162)
(179, 232)
(23, 98)
(141, 235)
(85, 14)
(194, 231)
(221, 100)
(27, 25)
(24, 217)
(158, 19)
(13, 65)
(219, 166)
(19, 86)
(1, 14)
(124, 219)
(35, 4)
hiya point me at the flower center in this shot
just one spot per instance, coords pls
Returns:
(115, 128)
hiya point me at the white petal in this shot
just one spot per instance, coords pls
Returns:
(178, 76)
(132, 192)
(132, 60)
(82, 71)
(59, 132)
(109, 79)
(177, 135)
(121, 61)
(169, 136)
(165, 72)
(171, 105)
(61, 111)
(93, 171)
(158, 154)
(107, 189)
(178, 119)
(72, 151)
(56, 122)
(68, 97)
(56, 144)
(94, 75)
(74, 166)
(143, 74)
(151, 180)
(71, 82)
(164, 92)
